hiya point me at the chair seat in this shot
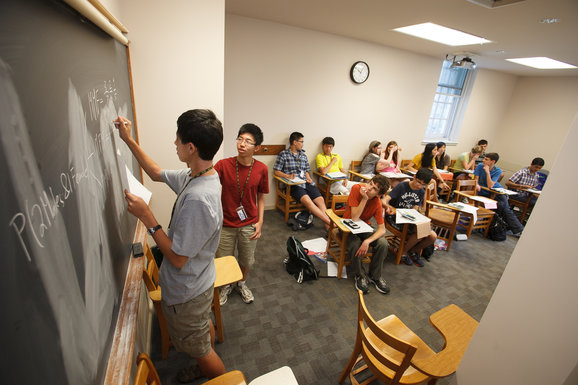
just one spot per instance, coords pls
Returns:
(443, 216)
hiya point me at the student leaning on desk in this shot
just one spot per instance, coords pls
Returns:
(526, 178)
(328, 162)
(488, 174)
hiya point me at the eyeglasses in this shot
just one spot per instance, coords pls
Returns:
(246, 141)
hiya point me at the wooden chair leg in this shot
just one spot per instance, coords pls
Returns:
(356, 352)
(165, 338)
(218, 316)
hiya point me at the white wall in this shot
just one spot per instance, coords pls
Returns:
(288, 79)
(536, 121)
(177, 54)
(528, 333)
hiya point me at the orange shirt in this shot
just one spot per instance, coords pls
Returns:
(372, 206)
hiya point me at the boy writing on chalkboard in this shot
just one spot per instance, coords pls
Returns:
(245, 182)
(188, 272)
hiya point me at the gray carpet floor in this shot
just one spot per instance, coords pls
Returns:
(310, 327)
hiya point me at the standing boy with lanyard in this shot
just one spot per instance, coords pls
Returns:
(245, 182)
(187, 275)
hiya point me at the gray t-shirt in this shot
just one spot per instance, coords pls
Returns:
(195, 231)
(368, 164)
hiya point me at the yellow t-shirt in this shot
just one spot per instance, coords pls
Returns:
(417, 162)
(322, 160)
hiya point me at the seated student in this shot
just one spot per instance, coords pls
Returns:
(364, 202)
(483, 143)
(443, 159)
(526, 178)
(467, 161)
(488, 174)
(374, 161)
(427, 159)
(410, 195)
(327, 162)
(391, 156)
(292, 162)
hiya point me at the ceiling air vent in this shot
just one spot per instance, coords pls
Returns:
(495, 3)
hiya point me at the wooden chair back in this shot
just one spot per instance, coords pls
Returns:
(387, 356)
(338, 204)
(404, 163)
(452, 163)
(355, 165)
(466, 185)
(146, 373)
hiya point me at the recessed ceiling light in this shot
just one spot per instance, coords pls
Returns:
(550, 20)
(440, 34)
(541, 63)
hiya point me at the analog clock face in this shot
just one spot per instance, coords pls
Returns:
(359, 72)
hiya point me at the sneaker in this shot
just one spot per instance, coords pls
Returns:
(224, 294)
(245, 292)
(189, 374)
(380, 285)
(416, 258)
(405, 259)
(361, 284)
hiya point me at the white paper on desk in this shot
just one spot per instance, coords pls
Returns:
(363, 227)
(488, 203)
(318, 245)
(367, 176)
(422, 223)
(466, 208)
(336, 175)
(136, 188)
(442, 171)
(533, 191)
(399, 219)
(332, 270)
(297, 180)
(505, 191)
(395, 175)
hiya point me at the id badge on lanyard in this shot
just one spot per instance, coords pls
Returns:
(241, 210)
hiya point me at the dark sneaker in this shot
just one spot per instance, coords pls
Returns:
(415, 257)
(361, 284)
(189, 374)
(380, 285)
(405, 259)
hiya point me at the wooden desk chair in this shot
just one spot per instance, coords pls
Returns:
(354, 174)
(150, 277)
(524, 207)
(338, 233)
(396, 355)
(386, 348)
(228, 272)
(146, 374)
(444, 220)
(404, 163)
(465, 188)
(452, 163)
(284, 202)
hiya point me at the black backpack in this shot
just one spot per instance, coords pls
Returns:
(298, 263)
(498, 229)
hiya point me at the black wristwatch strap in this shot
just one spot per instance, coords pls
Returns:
(152, 230)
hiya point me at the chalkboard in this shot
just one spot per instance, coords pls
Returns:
(66, 233)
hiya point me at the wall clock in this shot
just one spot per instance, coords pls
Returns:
(359, 72)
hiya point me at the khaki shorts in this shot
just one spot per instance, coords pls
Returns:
(188, 324)
(238, 236)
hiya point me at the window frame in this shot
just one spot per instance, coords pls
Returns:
(453, 121)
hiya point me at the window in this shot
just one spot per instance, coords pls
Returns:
(449, 104)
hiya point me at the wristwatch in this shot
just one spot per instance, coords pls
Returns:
(152, 230)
